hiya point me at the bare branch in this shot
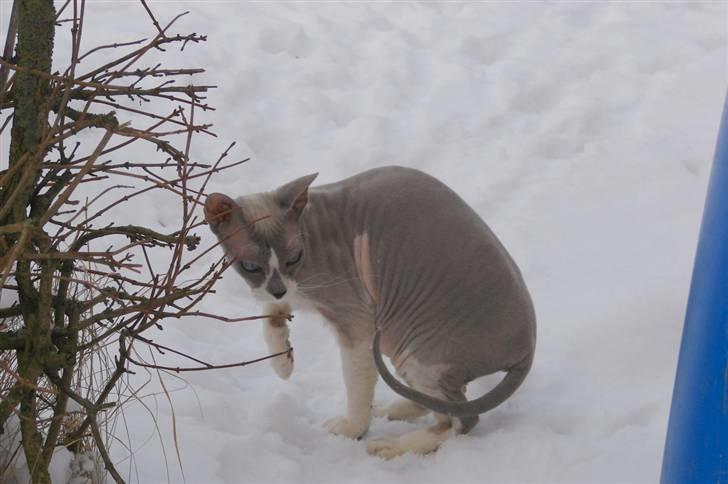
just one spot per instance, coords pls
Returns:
(77, 179)
(178, 369)
(12, 32)
(76, 297)
(115, 45)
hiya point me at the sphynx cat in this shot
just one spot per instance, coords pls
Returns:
(400, 266)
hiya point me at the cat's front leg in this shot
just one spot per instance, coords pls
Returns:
(275, 332)
(360, 377)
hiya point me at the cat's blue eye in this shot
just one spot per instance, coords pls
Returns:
(250, 267)
(295, 259)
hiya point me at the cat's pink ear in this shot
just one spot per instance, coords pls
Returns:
(218, 209)
(294, 195)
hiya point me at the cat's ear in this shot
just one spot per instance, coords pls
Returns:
(294, 195)
(218, 209)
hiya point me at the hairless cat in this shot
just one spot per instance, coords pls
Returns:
(400, 266)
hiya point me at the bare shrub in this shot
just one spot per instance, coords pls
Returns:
(79, 291)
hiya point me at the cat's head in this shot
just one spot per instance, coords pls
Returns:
(261, 234)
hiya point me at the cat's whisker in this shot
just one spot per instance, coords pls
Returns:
(326, 277)
(304, 286)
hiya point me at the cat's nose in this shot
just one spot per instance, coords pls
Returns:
(276, 286)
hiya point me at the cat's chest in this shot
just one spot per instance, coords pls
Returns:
(336, 294)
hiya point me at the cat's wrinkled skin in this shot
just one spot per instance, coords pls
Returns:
(398, 263)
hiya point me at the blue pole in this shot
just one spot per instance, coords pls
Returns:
(696, 449)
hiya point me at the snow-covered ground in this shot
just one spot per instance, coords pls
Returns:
(582, 132)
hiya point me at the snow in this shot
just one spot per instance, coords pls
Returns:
(15, 466)
(582, 133)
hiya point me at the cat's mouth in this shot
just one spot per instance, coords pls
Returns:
(262, 295)
(282, 290)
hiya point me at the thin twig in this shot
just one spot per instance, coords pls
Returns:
(77, 179)
(12, 32)
(178, 369)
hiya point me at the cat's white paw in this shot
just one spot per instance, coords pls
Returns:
(419, 442)
(345, 427)
(283, 365)
(385, 447)
(279, 313)
(275, 332)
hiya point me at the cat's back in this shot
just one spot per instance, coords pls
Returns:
(394, 190)
(412, 216)
(381, 176)
(382, 179)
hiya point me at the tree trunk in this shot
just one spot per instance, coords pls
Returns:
(31, 98)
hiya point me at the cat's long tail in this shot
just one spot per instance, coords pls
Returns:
(504, 389)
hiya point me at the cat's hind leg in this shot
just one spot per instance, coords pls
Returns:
(401, 410)
(447, 387)
(421, 441)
